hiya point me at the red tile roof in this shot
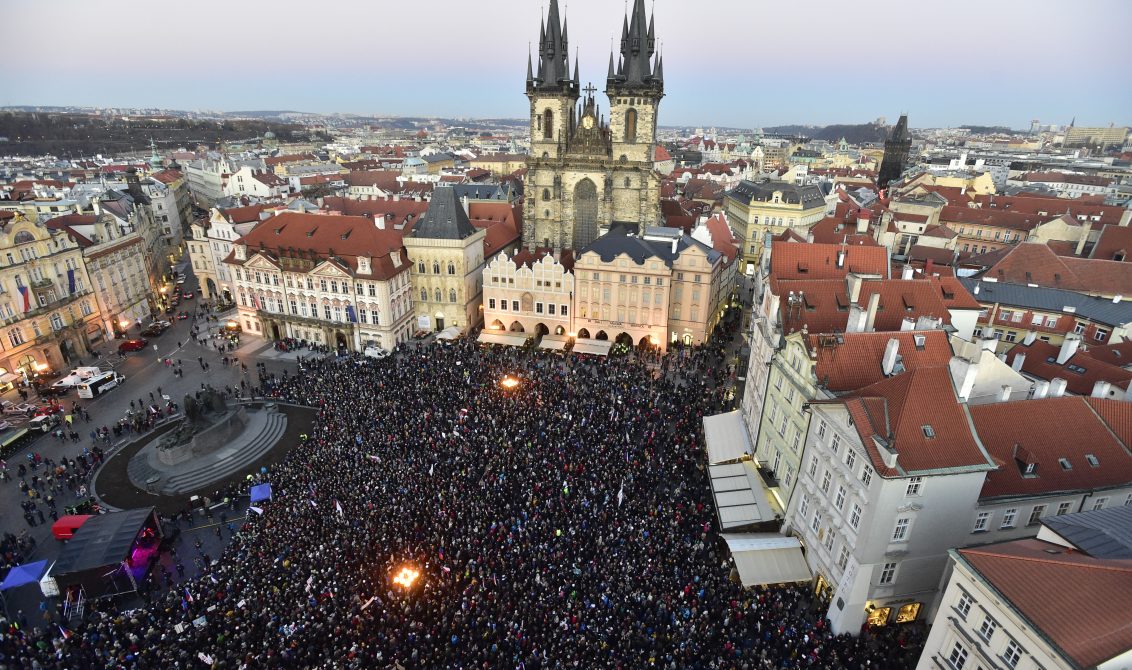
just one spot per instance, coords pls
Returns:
(835, 230)
(852, 361)
(722, 238)
(269, 179)
(1117, 354)
(826, 303)
(896, 410)
(661, 154)
(528, 258)
(958, 216)
(346, 237)
(403, 212)
(243, 214)
(168, 176)
(1114, 243)
(1057, 590)
(1035, 203)
(66, 222)
(819, 261)
(1045, 430)
(503, 222)
(1041, 362)
(1032, 263)
(272, 161)
(385, 180)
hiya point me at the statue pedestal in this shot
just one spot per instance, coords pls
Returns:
(204, 442)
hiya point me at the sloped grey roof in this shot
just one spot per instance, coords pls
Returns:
(445, 218)
(1103, 533)
(1101, 310)
(763, 190)
(480, 191)
(612, 245)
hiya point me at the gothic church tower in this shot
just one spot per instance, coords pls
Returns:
(586, 173)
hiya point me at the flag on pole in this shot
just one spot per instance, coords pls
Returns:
(374, 457)
(257, 510)
(313, 503)
(621, 493)
(188, 596)
(338, 506)
(430, 469)
(64, 632)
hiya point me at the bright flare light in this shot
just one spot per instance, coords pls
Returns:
(509, 383)
(406, 577)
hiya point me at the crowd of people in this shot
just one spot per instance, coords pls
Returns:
(561, 522)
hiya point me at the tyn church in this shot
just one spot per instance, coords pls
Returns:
(586, 173)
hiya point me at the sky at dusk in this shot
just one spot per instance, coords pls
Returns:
(740, 63)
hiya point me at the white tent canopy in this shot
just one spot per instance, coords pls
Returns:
(503, 337)
(585, 345)
(726, 437)
(554, 342)
(767, 558)
(740, 496)
(449, 333)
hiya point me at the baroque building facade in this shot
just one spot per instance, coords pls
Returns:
(586, 173)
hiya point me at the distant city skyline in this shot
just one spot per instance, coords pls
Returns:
(742, 64)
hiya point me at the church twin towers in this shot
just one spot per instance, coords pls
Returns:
(586, 172)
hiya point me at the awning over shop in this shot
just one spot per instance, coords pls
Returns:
(741, 497)
(503, 337)
(726, 437)
(554, 342)
(768, 558)
(9, 378)
(589, 346)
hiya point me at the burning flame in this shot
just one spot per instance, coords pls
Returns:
(509, 383)
(406, 577)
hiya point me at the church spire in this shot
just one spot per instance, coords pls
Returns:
(553, 53)
(638, 48)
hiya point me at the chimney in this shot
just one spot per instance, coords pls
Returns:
(907, 272)
(1030, 337)
(841, 258)
(675, 241)
(1101, 389)
(853, 283)
(810, 237)
(396, 197)
(1019, 359)
(379, 221)
(1057, 387)
(1085, 230)
(1041, 389)
(464, 202)
(1116, 299)
(891, 351)
(1128, 393)
(863, 221)
(907, 324)
(870, 319)
(321, 201)
(856, 323)
(967, 385)
(1004, 394)
(926, 323)
(1068, 348)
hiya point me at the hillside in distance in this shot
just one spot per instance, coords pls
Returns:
(76, 135)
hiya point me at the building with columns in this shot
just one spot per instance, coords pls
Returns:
(341, 281)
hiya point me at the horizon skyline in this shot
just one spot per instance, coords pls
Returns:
(352, 72)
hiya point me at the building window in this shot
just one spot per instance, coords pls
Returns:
(1036, 515)
(326, 312)
(964, 605)
(855, 516)
(514, 305)
(981, 522)
(842, 557)
(914, 486)
(839, 500)
(563, 310)
(16, 337)
(294, 307)
(866, 476)
(1008, 517)
(1012, 655)
(888, 573)
(821, 429)
(987, 629)
(815, 522)
(813, 467)
(958, 657)
(835, 444)
(550, 308)
(804, 507)
(825, 481)
(1063, 508)
(322, 285)
(1100, 335)
(451, 268)
(452, 295)
(850, 458)
(420, 267)
(900, 532)
(1099, 503)
(491, 303)
(538, 308)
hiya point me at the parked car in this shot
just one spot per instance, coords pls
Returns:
(132, 345)
(10, 407)
(188, 295)
(49, 409)
(156, 328)
(53, 391)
